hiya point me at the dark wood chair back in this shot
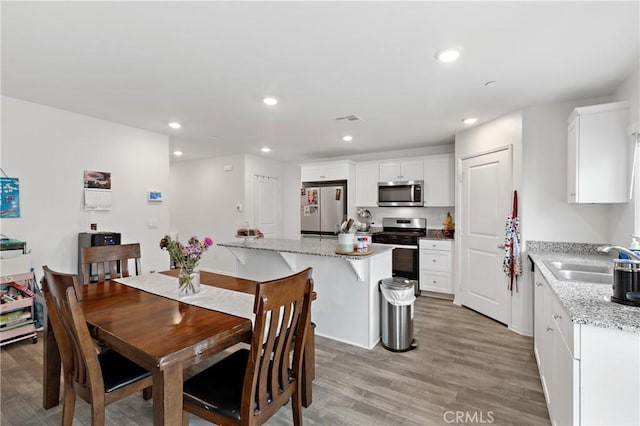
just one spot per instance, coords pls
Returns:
(249, 386)
(282, 309)
(82, 366)
(77, 351)
(110, 262)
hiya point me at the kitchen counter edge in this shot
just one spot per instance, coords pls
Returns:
(311, 246)
(587, 303)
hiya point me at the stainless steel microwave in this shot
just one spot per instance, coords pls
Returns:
(400, 194)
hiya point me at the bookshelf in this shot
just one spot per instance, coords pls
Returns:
(17, 309)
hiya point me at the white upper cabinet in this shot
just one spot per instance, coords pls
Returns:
(599, 154)
(324, 171)
(401, 170)
(367, 184)
(438, 189)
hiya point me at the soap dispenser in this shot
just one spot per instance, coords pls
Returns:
(635, 245)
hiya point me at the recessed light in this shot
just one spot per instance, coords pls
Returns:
(447, 55)
(470, 120)
(347, 138)
(270, 101)
(177, 153)
(175, 125)
(265, 149)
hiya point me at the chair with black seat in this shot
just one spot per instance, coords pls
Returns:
(110, 261)
(99, 379)
(251, 385)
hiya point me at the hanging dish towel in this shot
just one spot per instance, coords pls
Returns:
(512, 263)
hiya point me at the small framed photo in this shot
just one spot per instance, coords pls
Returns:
(155, 196)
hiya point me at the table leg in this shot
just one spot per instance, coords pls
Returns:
(50, 369)
(308, 365)
(167, 396)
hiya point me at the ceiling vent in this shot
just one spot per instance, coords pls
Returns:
(349, 118)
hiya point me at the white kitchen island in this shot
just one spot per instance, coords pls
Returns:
(347, 307)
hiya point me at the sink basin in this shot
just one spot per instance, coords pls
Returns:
(592, 277)
(580, 267)
(566, 271)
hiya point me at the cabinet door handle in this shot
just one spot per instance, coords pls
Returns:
(501, 246)
(538, 284)
(573, 194)
(549, 329)
(434, 261)
(556, 316)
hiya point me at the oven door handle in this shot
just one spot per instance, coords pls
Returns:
(399, 246)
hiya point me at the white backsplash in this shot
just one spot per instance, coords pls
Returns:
(434, 215)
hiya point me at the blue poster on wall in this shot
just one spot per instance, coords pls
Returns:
(10, 197)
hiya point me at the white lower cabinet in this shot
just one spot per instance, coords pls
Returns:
(590, 375)
(436, 262)
(558, 362)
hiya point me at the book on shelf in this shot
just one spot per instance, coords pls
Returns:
(17, 324)
(13, 316)
(16, 321)
(23, 289)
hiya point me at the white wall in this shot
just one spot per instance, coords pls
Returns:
(48, 149)
(546, 214)
(204, 204)
(622, 215)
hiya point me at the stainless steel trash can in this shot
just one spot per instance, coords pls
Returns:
(396, 313)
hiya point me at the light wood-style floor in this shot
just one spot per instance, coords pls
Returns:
(467, 369)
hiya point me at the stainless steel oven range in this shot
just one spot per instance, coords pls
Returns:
(403, 235)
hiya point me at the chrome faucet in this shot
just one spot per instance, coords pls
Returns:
(607, 249)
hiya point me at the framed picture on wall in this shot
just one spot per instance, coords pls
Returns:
(10, 198)
(97, 180)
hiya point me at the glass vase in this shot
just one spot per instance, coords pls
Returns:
(188, 281)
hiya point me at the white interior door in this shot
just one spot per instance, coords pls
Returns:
(485, 205)
(266, 194)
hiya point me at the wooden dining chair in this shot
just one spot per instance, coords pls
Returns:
(251, 385)
(109, 262)
(99, 379)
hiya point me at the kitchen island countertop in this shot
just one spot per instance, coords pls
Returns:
(312, 246)
(347, 308)
(587, 303)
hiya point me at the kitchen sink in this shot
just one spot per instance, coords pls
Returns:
(592, 277)
(565, 271)
(580, 267)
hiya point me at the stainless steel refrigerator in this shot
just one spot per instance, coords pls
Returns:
(323, 207)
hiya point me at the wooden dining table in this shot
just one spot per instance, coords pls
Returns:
(164, 336)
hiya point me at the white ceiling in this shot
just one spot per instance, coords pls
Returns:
(209, 64)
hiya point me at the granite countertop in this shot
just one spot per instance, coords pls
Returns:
(586, 303)
(436, 234)
(312, 246)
